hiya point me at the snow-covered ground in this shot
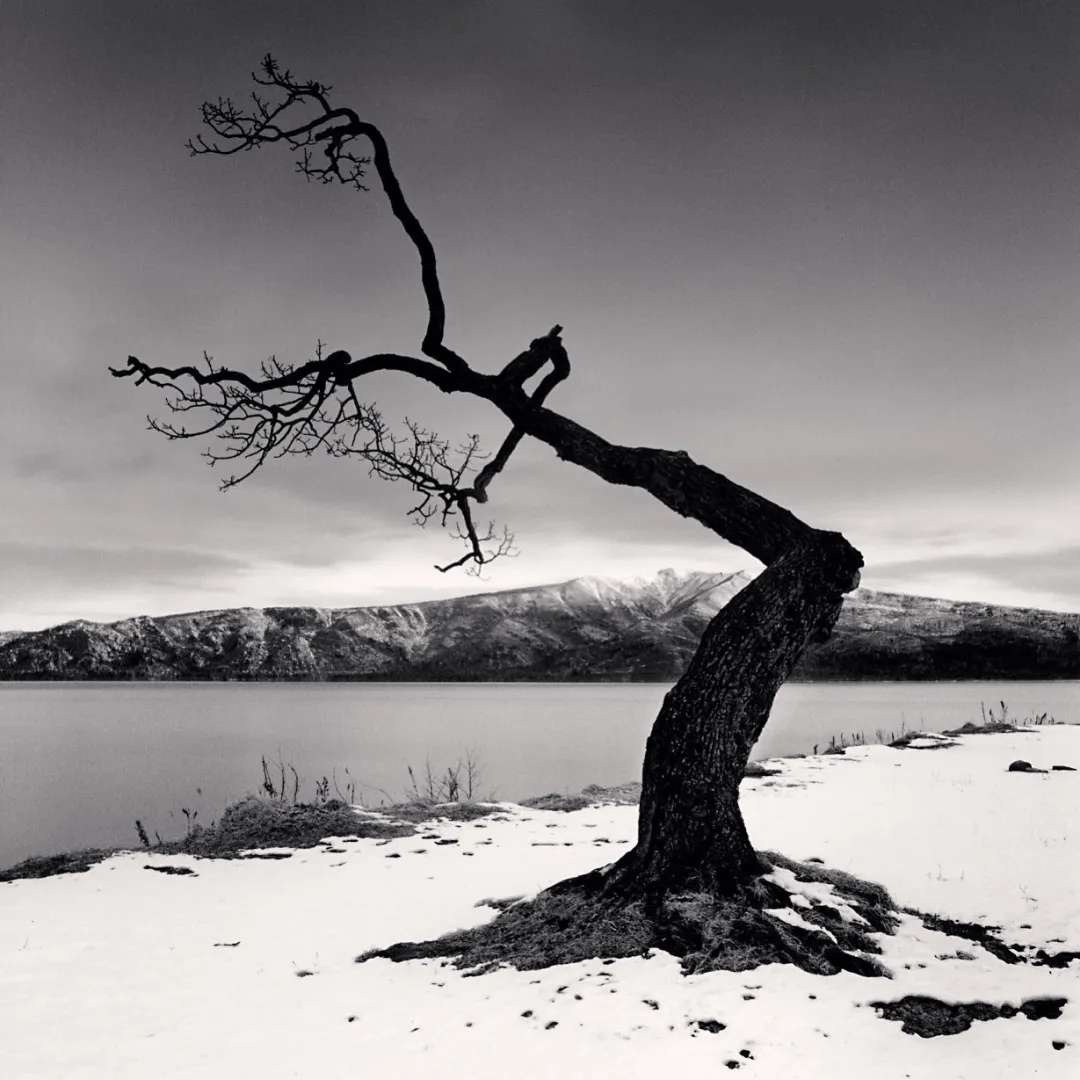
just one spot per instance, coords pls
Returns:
(246, 968)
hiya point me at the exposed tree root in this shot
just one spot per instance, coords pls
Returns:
(581, 919)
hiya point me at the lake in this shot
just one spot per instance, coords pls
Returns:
(82, 761)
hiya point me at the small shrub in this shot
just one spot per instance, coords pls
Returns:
(279, 791)
(258, 822)
(999, 723)
(459, 782)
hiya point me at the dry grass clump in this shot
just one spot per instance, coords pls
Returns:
(42, 866)
(982, 729)
(869, 899)
(565, 803)
(1000, 723)
(419, 811)
(628, 794)
(928, 740)
(578, 920)
(557, 927)
(732, 935)
(256, 822)
(755, 768)
(739, 933)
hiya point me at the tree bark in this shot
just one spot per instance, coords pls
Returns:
(686, 885)
(691, 835)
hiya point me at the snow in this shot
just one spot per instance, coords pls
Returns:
(120, 972)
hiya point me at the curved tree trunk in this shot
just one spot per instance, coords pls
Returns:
(691, 834)
(686, 886)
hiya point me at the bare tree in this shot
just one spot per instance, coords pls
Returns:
(691, 836)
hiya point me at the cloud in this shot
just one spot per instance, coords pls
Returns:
(1047, 577)
(44, 585)
(91, 568)
(841, 275)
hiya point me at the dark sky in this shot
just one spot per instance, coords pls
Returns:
(830, 249)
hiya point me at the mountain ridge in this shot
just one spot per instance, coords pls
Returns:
(588, 628)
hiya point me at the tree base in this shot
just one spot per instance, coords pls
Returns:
(770, 920)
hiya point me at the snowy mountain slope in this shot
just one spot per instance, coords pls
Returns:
(586, 628)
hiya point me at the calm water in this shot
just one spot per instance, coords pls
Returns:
(81, 761)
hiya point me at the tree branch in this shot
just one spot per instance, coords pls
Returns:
(301, 409)
(740, 516)
(332, 131)
(315, 407)
(340, 365)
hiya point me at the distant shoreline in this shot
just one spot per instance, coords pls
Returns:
(579, 631)
(509, 681)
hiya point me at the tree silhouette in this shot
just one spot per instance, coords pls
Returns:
(691, 838)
